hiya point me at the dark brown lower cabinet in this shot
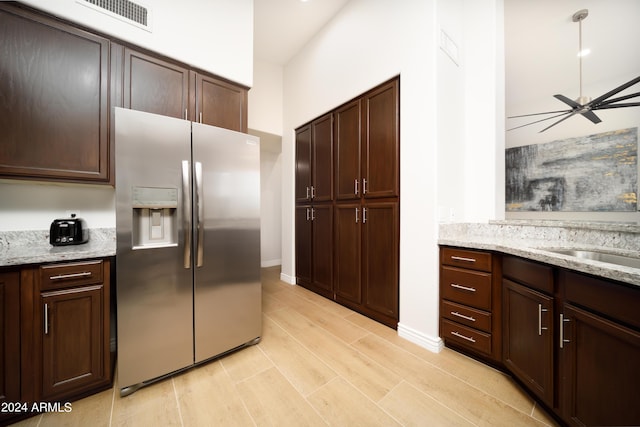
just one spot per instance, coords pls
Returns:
(600, 370)
(72, 340)
(9, 339)
(366, 259)
(528, 338)
(573, 340)
(314, 242)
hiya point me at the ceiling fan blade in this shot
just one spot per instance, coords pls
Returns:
(573, 113)
(621, 98)
(570, 102)
(538, 121)
(614, 91)
(539, 114)
(628, 104)
(591, 116)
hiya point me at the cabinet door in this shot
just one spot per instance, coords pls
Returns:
(54, 106)
(322, 159)
(156, 86)
(382, 144)
(304, 247)
(303, 164)
(347, 142)
(380, 260)
(221, 104)
(347, 253)
(528, 338)
(72, 340)
(322, 220)
(9, 337)
(600, 370)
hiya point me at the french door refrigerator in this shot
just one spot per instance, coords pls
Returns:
(188, 244)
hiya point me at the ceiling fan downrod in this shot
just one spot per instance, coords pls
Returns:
(578, 17)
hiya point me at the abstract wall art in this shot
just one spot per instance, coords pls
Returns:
(584, 174)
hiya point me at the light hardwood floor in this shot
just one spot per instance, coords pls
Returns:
(318, 364)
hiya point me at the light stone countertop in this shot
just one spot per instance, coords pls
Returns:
(32, 247)
(529, 239)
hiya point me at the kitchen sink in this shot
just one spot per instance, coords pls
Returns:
(599, 256)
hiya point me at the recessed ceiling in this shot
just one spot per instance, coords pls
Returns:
(283, 27)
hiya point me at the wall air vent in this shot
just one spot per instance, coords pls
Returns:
(124, 10)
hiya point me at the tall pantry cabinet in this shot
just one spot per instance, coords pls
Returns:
(364, 229)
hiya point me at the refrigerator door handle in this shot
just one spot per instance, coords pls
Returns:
(199, 215)
(186, 209)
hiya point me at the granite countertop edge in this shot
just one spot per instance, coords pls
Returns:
(532, 250)
(32, 247)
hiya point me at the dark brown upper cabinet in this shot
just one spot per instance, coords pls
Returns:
(314, 161)
(381, 172)
(155, 86)
(54, 102)
(219, 103)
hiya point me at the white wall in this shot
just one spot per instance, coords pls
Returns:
(352, 54)
(265, 98)
(265, 121)
(214, 35)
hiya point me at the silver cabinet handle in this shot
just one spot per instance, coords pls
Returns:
(459, 335)
(308, 214)
(46, 319)
(313, 192)
(313, 214)
(462, 288)
(307, 192)
(364, 215)
(460, 258)
(357, 212)
(364, 186)
(540, 327)
(355, 184)
(200, 116)
(186, 117)
(200, 215)
(562, 322)
(469, 318)
(70, 276)
(186, 209)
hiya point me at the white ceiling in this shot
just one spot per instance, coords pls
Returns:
(283, 27)
(541, 45)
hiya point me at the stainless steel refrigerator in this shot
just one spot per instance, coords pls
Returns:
(188, 244)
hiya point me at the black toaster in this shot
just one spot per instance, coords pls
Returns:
(68, 231)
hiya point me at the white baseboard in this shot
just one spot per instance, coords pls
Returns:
(288, 279)
(433, 344)
(270, 263)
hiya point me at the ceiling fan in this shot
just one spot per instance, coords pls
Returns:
(584, 105)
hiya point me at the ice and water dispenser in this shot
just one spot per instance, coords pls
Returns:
(155, 217)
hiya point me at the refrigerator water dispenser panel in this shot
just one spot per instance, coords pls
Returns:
(155, 222)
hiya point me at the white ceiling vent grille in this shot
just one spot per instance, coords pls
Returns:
(124, 10)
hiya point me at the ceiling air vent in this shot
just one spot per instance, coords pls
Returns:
(124, 10)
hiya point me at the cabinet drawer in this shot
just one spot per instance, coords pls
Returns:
(467, 259)
(56, 276)
(466, 336)
(466, 315)
(530, 273)
(467, 287)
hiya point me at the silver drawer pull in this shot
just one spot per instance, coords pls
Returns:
(460, 258)
(463, 288)
(455, 313)
(70, 276)
(459, 335)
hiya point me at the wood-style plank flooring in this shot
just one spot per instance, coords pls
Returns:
(318, 364)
